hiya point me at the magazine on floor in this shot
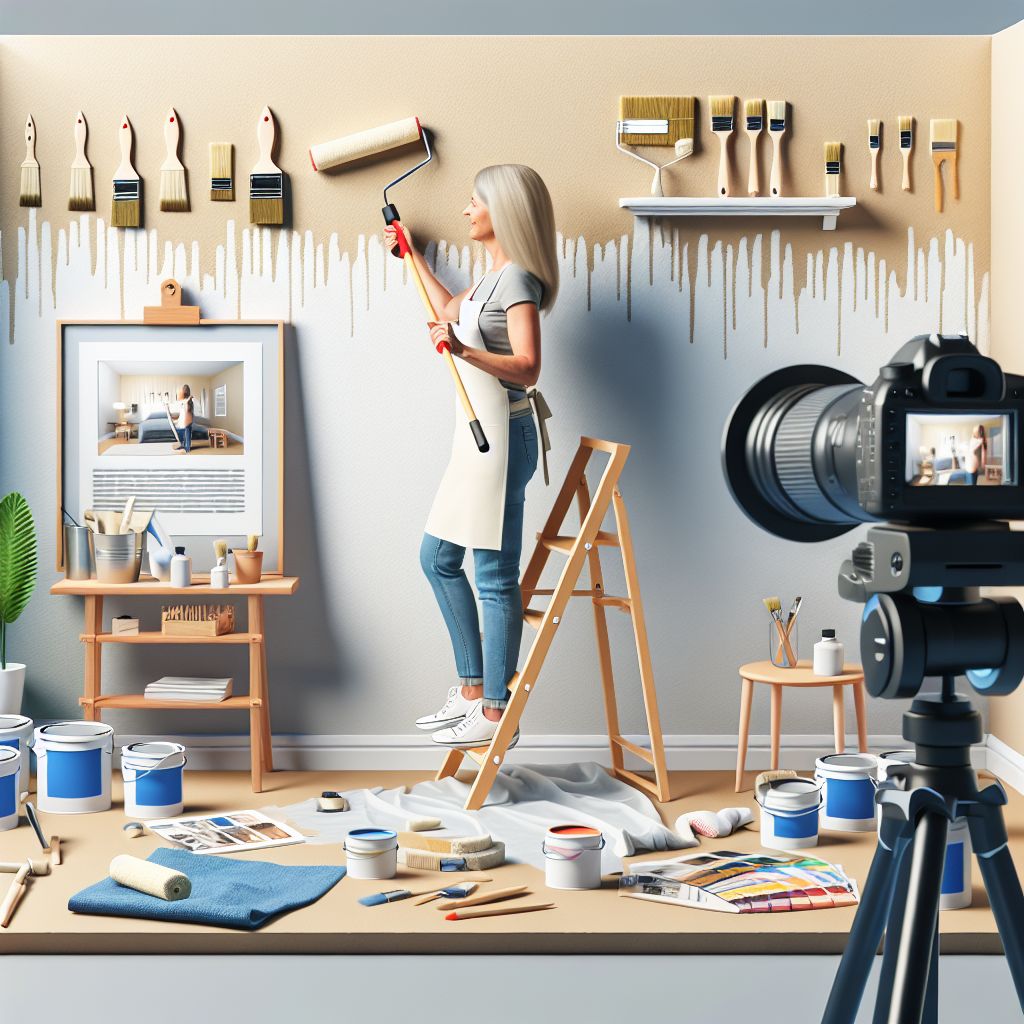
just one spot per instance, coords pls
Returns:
(739, 883)
(229, 832)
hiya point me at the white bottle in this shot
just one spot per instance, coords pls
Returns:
(829, 654)
(219, 575)
(181, 569)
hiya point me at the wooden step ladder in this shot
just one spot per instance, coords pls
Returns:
(581, 548)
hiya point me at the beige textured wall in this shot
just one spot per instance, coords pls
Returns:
(549, 102)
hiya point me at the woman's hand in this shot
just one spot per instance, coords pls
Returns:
(442, 336)
(391, 235)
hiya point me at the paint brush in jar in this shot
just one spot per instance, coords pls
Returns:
(774, 606)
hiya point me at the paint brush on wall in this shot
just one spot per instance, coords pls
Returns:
(126, 211)
(656, 121)
(80, 195)
(943, 137)
(754, 111)
(723, 122)
(266, 181)
(222, 182)
(173, 187)
(906, 123)
(30, 193)
(833, 157)
(776, 129)
(874, 148)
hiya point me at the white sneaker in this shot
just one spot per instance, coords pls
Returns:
(475, 730)
(455, 709)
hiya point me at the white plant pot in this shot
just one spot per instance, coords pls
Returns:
(12, 685)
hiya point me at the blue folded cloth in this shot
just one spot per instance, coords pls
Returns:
(227, 893)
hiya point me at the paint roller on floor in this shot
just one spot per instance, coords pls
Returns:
(369, 143)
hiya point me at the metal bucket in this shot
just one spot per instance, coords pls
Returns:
(118, 556)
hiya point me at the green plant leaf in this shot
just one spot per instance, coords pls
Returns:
(17, 556)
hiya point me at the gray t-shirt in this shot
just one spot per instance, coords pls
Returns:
(503, 289)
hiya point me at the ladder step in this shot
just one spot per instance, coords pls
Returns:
(641, 752)
(623, 603)
(566, 544)
(478, 754)
(576, 593)
(650, 787)
(533, 617)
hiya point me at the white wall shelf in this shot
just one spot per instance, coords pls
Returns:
(828, 209)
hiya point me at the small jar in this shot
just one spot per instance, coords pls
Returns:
(829, 655)
(777, 650)
(181, 569)
(219, 576)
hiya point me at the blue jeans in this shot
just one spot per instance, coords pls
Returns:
(185, 436)
(497, 579)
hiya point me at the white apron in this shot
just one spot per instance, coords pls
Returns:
(469, 507)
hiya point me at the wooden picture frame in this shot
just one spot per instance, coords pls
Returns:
(202, 338)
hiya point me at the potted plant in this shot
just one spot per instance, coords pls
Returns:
(248, 561)
(17, 581)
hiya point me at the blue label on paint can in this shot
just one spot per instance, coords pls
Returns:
(953, 870)
(8, 795)
(74, 774)
(800, 826)
(853, 799)
(158, 788)
(16, 743)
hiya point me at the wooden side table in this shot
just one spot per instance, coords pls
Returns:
(777, 678)
(256, 701)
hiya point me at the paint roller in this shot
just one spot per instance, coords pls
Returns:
(378, 140)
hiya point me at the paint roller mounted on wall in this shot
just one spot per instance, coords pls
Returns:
(369, 143)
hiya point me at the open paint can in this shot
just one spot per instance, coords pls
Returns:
(789, 813)
(848, 791)
(572, 857)
(371, 853)
(73, 767)
(152, 779)
(16, 731)
(10, 776)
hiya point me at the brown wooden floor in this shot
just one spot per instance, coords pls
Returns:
(583, 922)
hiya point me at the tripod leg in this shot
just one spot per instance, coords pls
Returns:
(1007, 900)
(866, 933)
(931, 1004)
(893, 930)
(921, 920)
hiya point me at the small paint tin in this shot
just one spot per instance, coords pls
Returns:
(848, 791)
(73, 767)
(371, 853)
(789, 813)
(152, 774)
(572, 857)
(10, 776)
(16, 731)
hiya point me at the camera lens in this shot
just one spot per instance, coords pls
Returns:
(790, 453)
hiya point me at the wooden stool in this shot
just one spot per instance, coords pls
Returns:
(218, 439)
(777, 678)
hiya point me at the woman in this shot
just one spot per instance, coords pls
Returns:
(493, 328)
(183, 428)
(977, 457)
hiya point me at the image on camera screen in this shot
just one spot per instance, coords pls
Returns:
(960, 449)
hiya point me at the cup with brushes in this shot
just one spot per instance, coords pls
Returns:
(782, 633)
(248, 561)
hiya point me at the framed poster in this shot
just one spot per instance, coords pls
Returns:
(135, 418)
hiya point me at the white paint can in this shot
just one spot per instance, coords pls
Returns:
(789, 813)
(572, 857)
(73, 767)
(956, 873)
(848, 791)
(371, 853)
(152, 774)
(885, 762)
(10, 785)
(16, 731)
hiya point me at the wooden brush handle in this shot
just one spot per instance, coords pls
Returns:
(498, 911)
(874, 169)
(955, 183)
(753, 178)
(30, 140)
(486, 897)
(81, 133)
(775, 182)
(265, 133)
(723, 166)
(172, 137)
(786, 645)
(124, 140)
(937, 159)
(906, 169)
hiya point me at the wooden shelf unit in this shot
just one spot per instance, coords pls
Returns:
(257, 701)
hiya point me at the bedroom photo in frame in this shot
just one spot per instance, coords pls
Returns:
(187, 420)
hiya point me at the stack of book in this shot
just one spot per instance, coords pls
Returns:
(207, 691)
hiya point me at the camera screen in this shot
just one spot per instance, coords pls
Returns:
(961, 449)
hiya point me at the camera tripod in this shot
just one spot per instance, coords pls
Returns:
(901, 895)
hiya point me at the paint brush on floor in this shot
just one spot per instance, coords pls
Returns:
(266, 181)
(943, 138)
(723, 121)
(906, 124)
(833, 165)
(14, 894)
(395, 895)
(874, 148)
(173, 187)
(776, 129)
(80, 195)
(754, 111)
(30, 193)
(462, 915)
(222, 182)
(126, 211)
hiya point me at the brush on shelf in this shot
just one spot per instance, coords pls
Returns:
(266, 180)
(81, 195)
(30, 192)
(943, 139)
(776, 129)
(906, 125)
(833, 165)
(222, 182)
(126, 209)
(656, 121)
(754, 112)
(874, 148)
(173, 187)
(723, 122)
